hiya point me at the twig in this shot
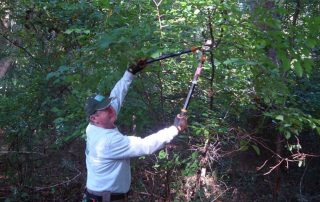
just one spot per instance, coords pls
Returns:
(21, 152)
(260, 167)
(295, 157)
(15, 44)
(301, 180)
(274, 167)
(159, 15)
(59, 184)
(220, 194)
(148, 194)
(22, 48)
(157, 3)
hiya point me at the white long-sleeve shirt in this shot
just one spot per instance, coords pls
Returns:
(108, 151)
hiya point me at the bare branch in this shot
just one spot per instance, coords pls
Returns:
(21, 152)
(59, 184)
(17, 45)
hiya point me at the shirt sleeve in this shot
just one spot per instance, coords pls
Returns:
(120, 90)
(123, 147)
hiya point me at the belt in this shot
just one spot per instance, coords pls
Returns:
(113, 196)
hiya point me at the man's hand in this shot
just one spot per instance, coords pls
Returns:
(180, 122)
(140, 65)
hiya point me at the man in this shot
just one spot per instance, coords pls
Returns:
(108, 151)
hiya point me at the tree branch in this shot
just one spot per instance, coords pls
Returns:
(17, 45)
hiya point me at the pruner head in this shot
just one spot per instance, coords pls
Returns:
(207, 45)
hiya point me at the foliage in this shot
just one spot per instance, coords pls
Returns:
(261, 74)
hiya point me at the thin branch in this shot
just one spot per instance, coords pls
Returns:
(296, 12)
(260, 167)
(301, 180)
(216, 198)
(17, 45)
(21, 152)
(213, 67)
(274, 167)
(294, 157)
(148, 194)
(59, 184)
(159, 15)
(157, 3)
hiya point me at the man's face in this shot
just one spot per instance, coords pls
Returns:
(104, 118)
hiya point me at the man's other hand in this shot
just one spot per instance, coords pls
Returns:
(180, 122)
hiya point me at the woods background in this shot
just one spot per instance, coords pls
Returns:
(253, 120)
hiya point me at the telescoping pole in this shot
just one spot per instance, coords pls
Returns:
(206, 47)
(170, 55)
(194, 83)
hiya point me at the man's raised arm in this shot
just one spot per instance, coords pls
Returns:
(120, 90)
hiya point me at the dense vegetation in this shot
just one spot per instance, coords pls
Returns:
(254, 119)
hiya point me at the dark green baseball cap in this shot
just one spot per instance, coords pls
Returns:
(96, 102)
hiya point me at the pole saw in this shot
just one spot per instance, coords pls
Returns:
(193, 83)
(203, 49)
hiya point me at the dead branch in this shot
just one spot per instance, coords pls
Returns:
(21, 152)
(294, 157)
(59, 184)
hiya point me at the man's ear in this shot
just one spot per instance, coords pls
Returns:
(92, 118)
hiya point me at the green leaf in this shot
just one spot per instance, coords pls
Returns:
(206, 132)
(307, 64)
(244, 148)
(280, 117)
(298, 68)
(256, 149)
(287, 135)
(51, 75)
(285, 64)
(156, 166)
(68, 31)
(311, 43)
(162, 154)
(244, 145)
(261, 44)
(55, 110)
(86, 31)
(284, 58)
(77, 30)
(102, 3)
(105, 41)
(156, 54)
(196, 12)
(183, 3)
(233, 61)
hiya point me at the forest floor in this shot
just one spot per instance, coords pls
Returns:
(60, 176)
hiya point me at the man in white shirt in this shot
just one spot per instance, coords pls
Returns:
(108, 151)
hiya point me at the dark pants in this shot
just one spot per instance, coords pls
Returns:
(89, 197)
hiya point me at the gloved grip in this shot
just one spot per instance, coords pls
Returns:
(140, 65)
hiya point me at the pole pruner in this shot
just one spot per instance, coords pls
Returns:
(206, 47)
(194, 82)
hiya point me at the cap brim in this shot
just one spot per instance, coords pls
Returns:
(103, 105)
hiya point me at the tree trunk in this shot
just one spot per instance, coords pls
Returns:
(5, 65)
